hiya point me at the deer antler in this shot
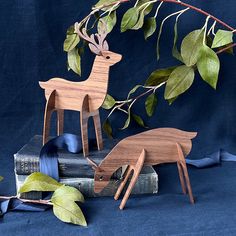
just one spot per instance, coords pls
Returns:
(96, 45)
(93, 164)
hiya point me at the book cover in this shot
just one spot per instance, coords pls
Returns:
(147, 183)
(70, 165)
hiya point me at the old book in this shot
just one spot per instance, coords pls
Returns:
(70, 165)
(147, 183)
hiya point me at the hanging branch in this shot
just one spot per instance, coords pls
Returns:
(200, 11)
(195, 54)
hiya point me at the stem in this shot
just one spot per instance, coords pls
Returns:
(226, 48)
(7, 198)
(133, 100)
(202, 12)
(175, 2)
(40, 201)
(157, 10)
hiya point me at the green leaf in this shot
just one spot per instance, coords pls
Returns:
(109, 20)
(67, 193)
(129, 19)
(71, 41)
(142, 7)
(209, 41)
(179, 81)
(140, 21)
(191, 46)
(39, 182)
(175, 52)
(133, 90)
(149, 27)
(104, 2)
(127, 122)
(109, 102)
(159, 76)
(150, 104)
(208, 66)
(143, 11)
(159, 38)
(229, 50)
(138, 120)
(107, 128)
(74, 61)
(222, 38)
(1, 178)
(170, 101)
(68, 212)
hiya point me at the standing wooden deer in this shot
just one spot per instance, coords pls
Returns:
(86, 96)
(157, 146)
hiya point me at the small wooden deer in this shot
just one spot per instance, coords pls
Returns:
(86, 96)
(157, 146)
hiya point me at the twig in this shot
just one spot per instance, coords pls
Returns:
(226, 48)
(202, 12)
(40, 201)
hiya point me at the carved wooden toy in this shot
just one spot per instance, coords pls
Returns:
(157, 146)
(86, 96)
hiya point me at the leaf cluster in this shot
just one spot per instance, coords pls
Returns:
(64, 199)
(197, 54)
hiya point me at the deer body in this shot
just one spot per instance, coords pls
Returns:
(86, 96)
(70, 95)
(157, 146)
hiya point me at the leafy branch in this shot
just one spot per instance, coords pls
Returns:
(64, 199)
(198, 52)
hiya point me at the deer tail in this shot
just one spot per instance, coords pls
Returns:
(191, 135)
(42, 84)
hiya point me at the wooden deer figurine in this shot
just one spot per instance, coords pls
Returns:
(86, 96)
(153, 147)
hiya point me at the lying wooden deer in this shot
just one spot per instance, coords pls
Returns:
(86, 96)
(157, 146)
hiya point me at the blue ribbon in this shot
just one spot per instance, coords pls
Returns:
(15, 204)
(212, 159)
(48, 158)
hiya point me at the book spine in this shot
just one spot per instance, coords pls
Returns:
(26, 165)
(147, 184)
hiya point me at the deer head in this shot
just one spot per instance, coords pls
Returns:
(98, 44)
(101, 178)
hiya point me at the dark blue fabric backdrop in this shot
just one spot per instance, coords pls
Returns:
(31, 39)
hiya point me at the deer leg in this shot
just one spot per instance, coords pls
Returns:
(60, 122)
(137, 169)
(84, 115)
(98, 130)
(181, 177)
(185, 170)
(50, 106)
(123, 182)
(184, 166)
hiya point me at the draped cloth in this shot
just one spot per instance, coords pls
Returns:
(48, 162)
(212, 159)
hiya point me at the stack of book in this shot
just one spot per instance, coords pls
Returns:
(74, 170)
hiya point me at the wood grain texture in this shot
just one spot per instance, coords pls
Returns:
(86, 96)
(157, 146)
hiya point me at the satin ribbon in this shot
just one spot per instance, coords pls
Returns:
(15, 204)
(48, 158)
(212, 159)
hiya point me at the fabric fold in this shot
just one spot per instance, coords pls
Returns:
(212, 159)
